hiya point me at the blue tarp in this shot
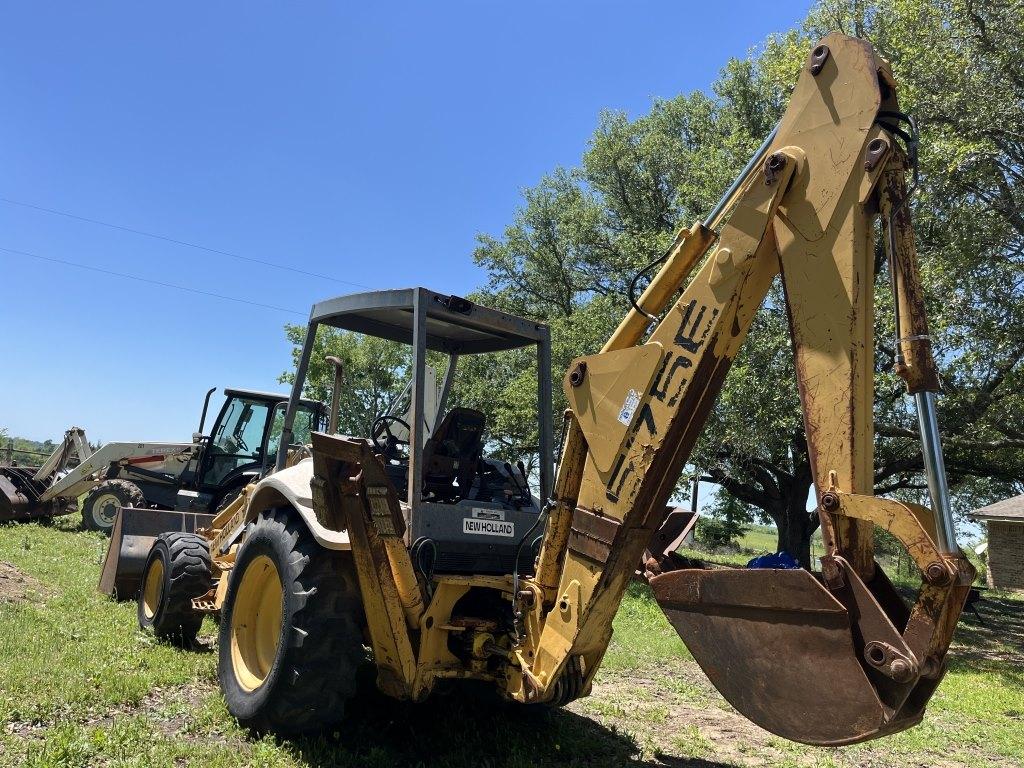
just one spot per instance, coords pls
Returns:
(778, 560)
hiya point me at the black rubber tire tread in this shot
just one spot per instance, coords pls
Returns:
(128, 492)
(320, 648)
(187, 574)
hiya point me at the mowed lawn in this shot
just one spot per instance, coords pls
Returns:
(81, 686)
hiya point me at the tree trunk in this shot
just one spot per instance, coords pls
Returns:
(796, 527)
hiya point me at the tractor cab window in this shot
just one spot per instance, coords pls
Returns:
(302, 430)
(237, 438)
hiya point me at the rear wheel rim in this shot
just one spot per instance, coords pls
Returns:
(104, 510)
(153, 590)
(256, 623)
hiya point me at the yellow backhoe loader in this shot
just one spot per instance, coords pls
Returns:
(443, 562)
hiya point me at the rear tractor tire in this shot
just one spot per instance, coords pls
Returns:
(99, 509)
(178, 569)
(290, 644)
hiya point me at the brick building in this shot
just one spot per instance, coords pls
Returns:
(1005, 523)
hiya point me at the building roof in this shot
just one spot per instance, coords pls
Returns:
(1008, 510)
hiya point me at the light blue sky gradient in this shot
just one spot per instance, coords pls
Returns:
(370, 142)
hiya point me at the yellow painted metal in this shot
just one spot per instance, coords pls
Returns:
(566, 491)
(434, 656)
(409, 592)
(689, 245)
(912, 524)
(824, 235)
(917, 366)
(228, 521)
(606, 406)
(256, 622)
(344, 471)
(153, 589)
(700, 335)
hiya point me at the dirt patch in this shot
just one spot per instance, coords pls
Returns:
(168, 709)
(677, 718)
(16, 587)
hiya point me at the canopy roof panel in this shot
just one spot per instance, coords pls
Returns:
(454, 324)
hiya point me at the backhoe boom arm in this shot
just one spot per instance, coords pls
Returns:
(856, 663)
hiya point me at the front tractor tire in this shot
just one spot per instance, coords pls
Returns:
(177, 570)
(101, 504)
(290, 644)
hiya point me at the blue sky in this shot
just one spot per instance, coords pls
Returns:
(367, 142)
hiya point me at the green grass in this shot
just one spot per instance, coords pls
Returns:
(81, 686)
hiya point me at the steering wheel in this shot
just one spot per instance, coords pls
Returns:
(384, 439)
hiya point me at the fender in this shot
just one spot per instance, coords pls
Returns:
(290, 487)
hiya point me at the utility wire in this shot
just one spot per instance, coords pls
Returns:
(185, 288)
(185, 243)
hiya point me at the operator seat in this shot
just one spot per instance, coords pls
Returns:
(453, 451)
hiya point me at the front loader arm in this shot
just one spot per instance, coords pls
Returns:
(823, 659)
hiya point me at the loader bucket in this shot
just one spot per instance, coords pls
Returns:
(133, 535)
(783, 651)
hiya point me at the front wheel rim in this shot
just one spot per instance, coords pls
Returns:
(104, 510)
(256, 619)
(153, 590)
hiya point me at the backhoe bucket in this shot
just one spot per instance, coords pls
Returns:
(783, 650)
(19, 495)
(133, 535)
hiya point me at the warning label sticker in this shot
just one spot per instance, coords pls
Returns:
(629, 407)
(482, 527)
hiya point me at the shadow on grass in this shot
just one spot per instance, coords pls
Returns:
(462, 726)
(994, 644)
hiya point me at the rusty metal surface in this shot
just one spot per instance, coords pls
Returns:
(824, 660)
(19, 495)
(343, 469)
(592, 535)
(14, 504)
(779, 647)
(660, 554)
(678, 524)
(566, 491)
(916, 366)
